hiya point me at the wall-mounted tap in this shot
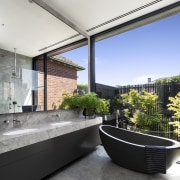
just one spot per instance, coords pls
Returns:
(16, 123)
(6, 121)
(14, 105)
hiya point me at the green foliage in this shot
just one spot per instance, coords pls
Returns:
(144, 120)
(89, 101)
(83, 88)
(176, 125)
(175, 105)
(115, 103)
(144, 102)
(168, 79)
(132, 99)
(71, 102)
(141, 108)
(103, 106)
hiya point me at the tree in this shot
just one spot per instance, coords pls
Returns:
(175, 107)
(83, 88)
(168, 80)
(141, 108)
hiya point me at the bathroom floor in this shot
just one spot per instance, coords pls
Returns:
(98, 166)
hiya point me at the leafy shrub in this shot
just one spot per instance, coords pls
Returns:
(115, 103)
(168, 79)
(90, 102)
(141, 108)
(83, 88)
(175, 107)
(70, 102)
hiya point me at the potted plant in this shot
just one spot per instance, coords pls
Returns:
(71, 102)
(89, 103)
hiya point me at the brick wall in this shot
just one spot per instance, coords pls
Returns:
(40, 93)
(60, 78)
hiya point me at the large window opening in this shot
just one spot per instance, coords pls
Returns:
(80, 57)
(146, 53)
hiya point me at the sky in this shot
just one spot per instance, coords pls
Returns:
(151, 51)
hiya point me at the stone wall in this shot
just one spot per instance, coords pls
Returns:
(7, 59)
(37, 119)
(14, 88)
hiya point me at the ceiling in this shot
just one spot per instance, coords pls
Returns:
(32, 30)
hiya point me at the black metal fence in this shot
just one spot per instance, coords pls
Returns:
(163, 91)
(105, 91)
(164, 128)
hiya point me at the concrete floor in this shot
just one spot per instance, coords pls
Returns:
(98, 166)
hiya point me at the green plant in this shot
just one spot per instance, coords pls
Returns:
(144, 120)
(176, 125)
(103, 106)
(90, 102)
(115, 103)
(168, 79)
(141, 108)
(83, 88)
(71, 102)
(175, 107)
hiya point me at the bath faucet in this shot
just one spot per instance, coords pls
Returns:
(117, 118)
(16, 123)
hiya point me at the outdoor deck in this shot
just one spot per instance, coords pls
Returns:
(98, 166)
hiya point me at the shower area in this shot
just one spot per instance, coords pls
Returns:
(20, 86)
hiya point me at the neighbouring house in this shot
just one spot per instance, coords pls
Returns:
(61, 78)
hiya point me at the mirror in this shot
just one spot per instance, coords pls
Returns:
(22, 89)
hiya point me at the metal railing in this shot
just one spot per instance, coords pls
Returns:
(164, 128)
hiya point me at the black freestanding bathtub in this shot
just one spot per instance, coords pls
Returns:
(137, 151)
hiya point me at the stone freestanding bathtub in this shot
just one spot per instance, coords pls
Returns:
(137, 151)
